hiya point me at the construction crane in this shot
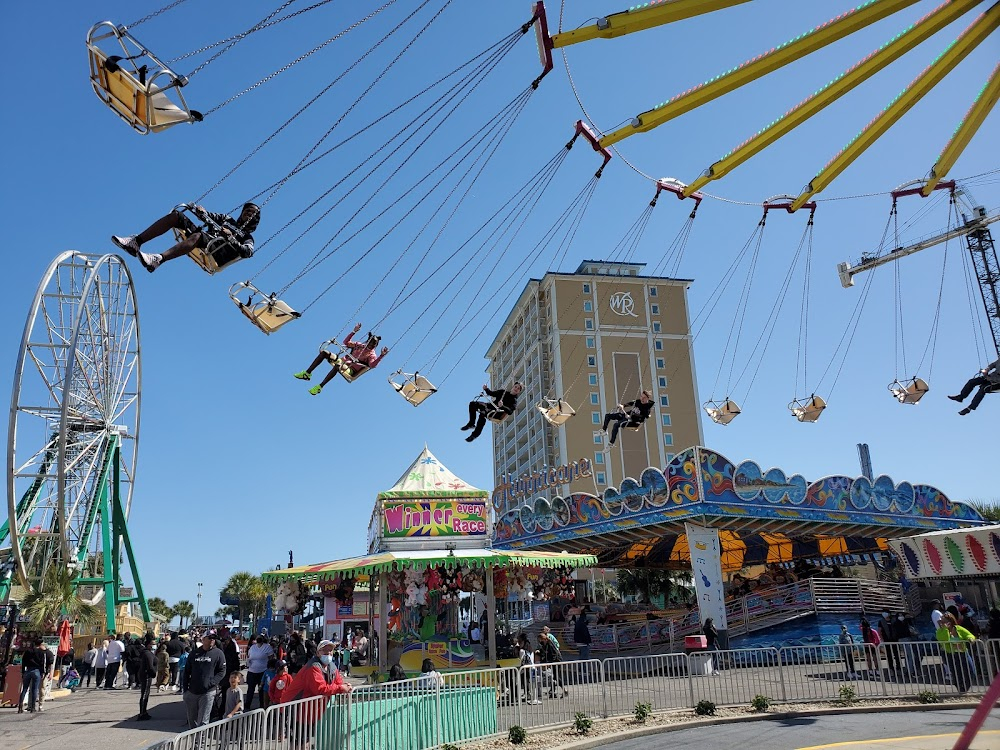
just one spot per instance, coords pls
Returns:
(981, 248)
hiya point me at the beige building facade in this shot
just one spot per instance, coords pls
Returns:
(595, 338)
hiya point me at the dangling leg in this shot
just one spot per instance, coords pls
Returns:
(306, 374)
(334, 372)
(164, 224)
(480, 424)
(614, 431)
(607, 420)
(977, 399)
(473, 405)
(968, 387)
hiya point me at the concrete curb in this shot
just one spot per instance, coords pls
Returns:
(631, 734)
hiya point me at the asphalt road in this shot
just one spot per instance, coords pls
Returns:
(921, 730)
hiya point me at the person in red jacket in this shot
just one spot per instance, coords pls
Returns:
(319, 677)
(280, 683)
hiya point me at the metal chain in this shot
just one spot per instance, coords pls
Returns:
(299, 59)
(256, 27)
(154, 14)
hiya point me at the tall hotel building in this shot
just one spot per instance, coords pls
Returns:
(596, 337)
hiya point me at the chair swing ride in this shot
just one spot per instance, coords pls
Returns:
(146, 92)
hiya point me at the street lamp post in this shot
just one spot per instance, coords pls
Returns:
(197, 608)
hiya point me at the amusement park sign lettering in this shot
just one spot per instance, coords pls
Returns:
(434, 518)
(509, 490)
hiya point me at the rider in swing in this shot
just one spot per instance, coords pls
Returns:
(502, 403)
(988, 381)
(361, 357)
(632, 414)
(238, 231)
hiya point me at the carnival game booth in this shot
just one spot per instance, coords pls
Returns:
(430, 551)
(707, 514)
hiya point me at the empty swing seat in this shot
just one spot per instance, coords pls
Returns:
(807, 409)
(414, 388)
(556, 411)
(909, 391)
(135, 84)
(267, 312)
(722, 412)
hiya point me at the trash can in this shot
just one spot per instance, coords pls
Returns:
(699, 657)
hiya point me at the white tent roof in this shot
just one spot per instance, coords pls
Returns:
(428, 477)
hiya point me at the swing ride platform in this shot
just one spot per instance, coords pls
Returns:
(762, 515)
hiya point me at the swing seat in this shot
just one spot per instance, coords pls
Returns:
(556, 411)
(135, 84)
(339, 357)
(267, 312)
(722, 412)
(807, 409)
(219, 253)
(414, 388)
(909, 391)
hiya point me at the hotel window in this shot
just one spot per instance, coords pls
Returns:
(588, 306)
(654, 309)
(668, 439)
(600, 477)
(588, 323)
(586, 288)
(670, 457)
(598, 440)
(658, 345)
(660, 364)
(595, 417)
(591, 360)
(652, 291)
(595, 399)
(592, 377)
(665, 418)
(590, 342)
(656, 327)
(662, 381)
(599, 459)
(664, 401)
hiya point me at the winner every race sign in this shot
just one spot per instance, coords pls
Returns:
(434, 518)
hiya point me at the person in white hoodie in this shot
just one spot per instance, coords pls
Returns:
(257, 657)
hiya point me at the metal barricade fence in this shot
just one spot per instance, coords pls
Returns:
(660, 680)
(813, 673)
(470, 691)
(238, 733)
(554, 693)
(735, 677)
(296, 724)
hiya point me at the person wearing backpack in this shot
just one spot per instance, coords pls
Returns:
(549, 653)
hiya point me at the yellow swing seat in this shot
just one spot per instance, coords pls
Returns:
(265, 311)
(556, 411)
(220, 252)
(414, 388)
(909, 391)
(807, 409)
(135, 85)
(722, 412)
(340, 357)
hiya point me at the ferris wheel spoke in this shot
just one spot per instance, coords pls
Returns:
(41, 367)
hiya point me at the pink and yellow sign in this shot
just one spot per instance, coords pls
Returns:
(434, 518)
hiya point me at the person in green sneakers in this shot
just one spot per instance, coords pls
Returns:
(358, 359)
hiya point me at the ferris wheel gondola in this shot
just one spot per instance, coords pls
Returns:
(74, 429)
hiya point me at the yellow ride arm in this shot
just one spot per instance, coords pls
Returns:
(648, 16)
(885, 55)
(985, 101)
(824, 34)
(974, 35)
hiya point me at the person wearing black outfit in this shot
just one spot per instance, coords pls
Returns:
(502, 404)
(205, 669)
(888, 635)
(232, 653)
(175, 647)
(133, 657)
(632, 414)
(145, 672)
(236, 230)
(296, 655)
(32, 669)
(988, 381)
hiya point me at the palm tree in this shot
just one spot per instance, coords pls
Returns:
(644, 583)
(247, 589)
(55, 596)
(988, 509)
(160, 607)
(183, 609)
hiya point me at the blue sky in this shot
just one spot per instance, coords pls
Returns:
(238, 464)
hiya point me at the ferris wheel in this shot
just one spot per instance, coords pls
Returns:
(74, 430)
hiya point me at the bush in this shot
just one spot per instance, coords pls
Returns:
(847, 695)
(760, 703)
(929, 696)
(517, 735)
(642, 712)
(705, 708)
(582, 723)
(449, 746)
